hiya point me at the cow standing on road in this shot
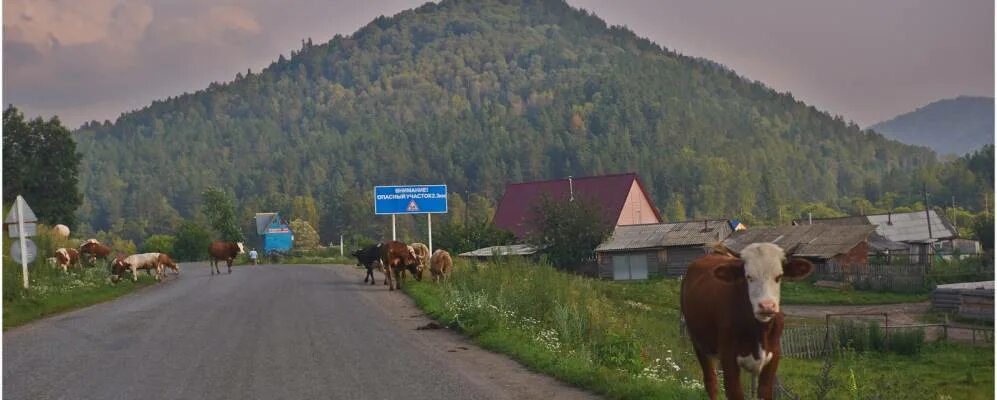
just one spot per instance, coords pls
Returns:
(397, 257)
(369, 257)
(227, 251)
(135, 262)
(730, 303)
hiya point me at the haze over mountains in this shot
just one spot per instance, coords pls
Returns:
(950, 126)
(475, 95)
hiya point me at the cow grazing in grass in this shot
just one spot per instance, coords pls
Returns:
(67, 258)
(166, 262)
(397, 257)
(730, 302)
(422, 253)
(440, 265)
(227, 251)
(369, 257)
(94, 250)
(135, 262)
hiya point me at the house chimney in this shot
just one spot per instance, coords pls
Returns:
(571, 189)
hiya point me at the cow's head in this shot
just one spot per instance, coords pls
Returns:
(763, 266)
(118, 267)
(412, 263)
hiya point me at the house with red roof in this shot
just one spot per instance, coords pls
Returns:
(621, 198)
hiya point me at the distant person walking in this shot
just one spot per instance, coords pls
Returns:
(253, 255)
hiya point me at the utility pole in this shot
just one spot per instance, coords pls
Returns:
(927, 207)
(955, 224)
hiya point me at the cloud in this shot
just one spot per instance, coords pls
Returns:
(47, 25)
(218, 26)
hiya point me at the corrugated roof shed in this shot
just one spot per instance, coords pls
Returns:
(511, 250)
(690, 233)
(912, 226)
(818, 240)
(901, 227)
(609, 192)
(263, 221)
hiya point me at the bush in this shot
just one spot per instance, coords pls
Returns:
(159, 244)
(192, 242)
(907, 342)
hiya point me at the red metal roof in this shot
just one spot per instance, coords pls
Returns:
(608, 192)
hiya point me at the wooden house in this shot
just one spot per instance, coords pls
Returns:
(636, 252)
(621, 199)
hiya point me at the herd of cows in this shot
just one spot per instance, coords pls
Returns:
(394, 257)
(729, 300)
(92, 250)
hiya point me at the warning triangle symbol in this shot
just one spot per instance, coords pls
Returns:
(412, 207)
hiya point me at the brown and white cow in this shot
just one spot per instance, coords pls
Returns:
(730, 303)
(421, 253)
(67, 258)
(227, 251)
(94, 250)
(135, 262)
(440, 265)
(397, 257)
(166, 262)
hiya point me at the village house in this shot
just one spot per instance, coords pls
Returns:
(843, 245)
(920, 232)
(621, 199)
(636, 252)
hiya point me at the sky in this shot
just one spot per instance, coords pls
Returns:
(867, 61)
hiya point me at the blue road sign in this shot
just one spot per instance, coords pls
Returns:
(423, 199)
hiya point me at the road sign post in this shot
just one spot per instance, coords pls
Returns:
(22, 215)
(418, 199)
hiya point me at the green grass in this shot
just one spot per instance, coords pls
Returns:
(51, 291)
(621, 340)
(941, 371)
(806, 293)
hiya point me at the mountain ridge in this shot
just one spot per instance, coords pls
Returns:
(475, 95)
(957, 125)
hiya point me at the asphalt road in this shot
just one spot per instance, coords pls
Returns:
(263, 332)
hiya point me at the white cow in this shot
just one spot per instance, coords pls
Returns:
(136, 262)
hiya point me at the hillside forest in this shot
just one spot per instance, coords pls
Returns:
(479, 94)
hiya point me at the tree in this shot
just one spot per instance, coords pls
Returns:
(568, 231)
(219, 208)
(984, 229)
(41, 164)
(158, 244)
(191, 243)
(460, 238)
(305, 237)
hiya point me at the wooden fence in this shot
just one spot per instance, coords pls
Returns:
(879, 277)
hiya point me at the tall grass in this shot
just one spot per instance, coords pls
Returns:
(50, 289)
(596, 334)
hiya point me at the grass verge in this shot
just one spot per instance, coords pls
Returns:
(52, 291)
(621, 340)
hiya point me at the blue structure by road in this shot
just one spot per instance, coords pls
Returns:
(277, 235)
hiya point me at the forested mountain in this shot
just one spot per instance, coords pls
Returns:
(951, 126)
(475, 94)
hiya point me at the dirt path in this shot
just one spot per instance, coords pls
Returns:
(899, 314)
